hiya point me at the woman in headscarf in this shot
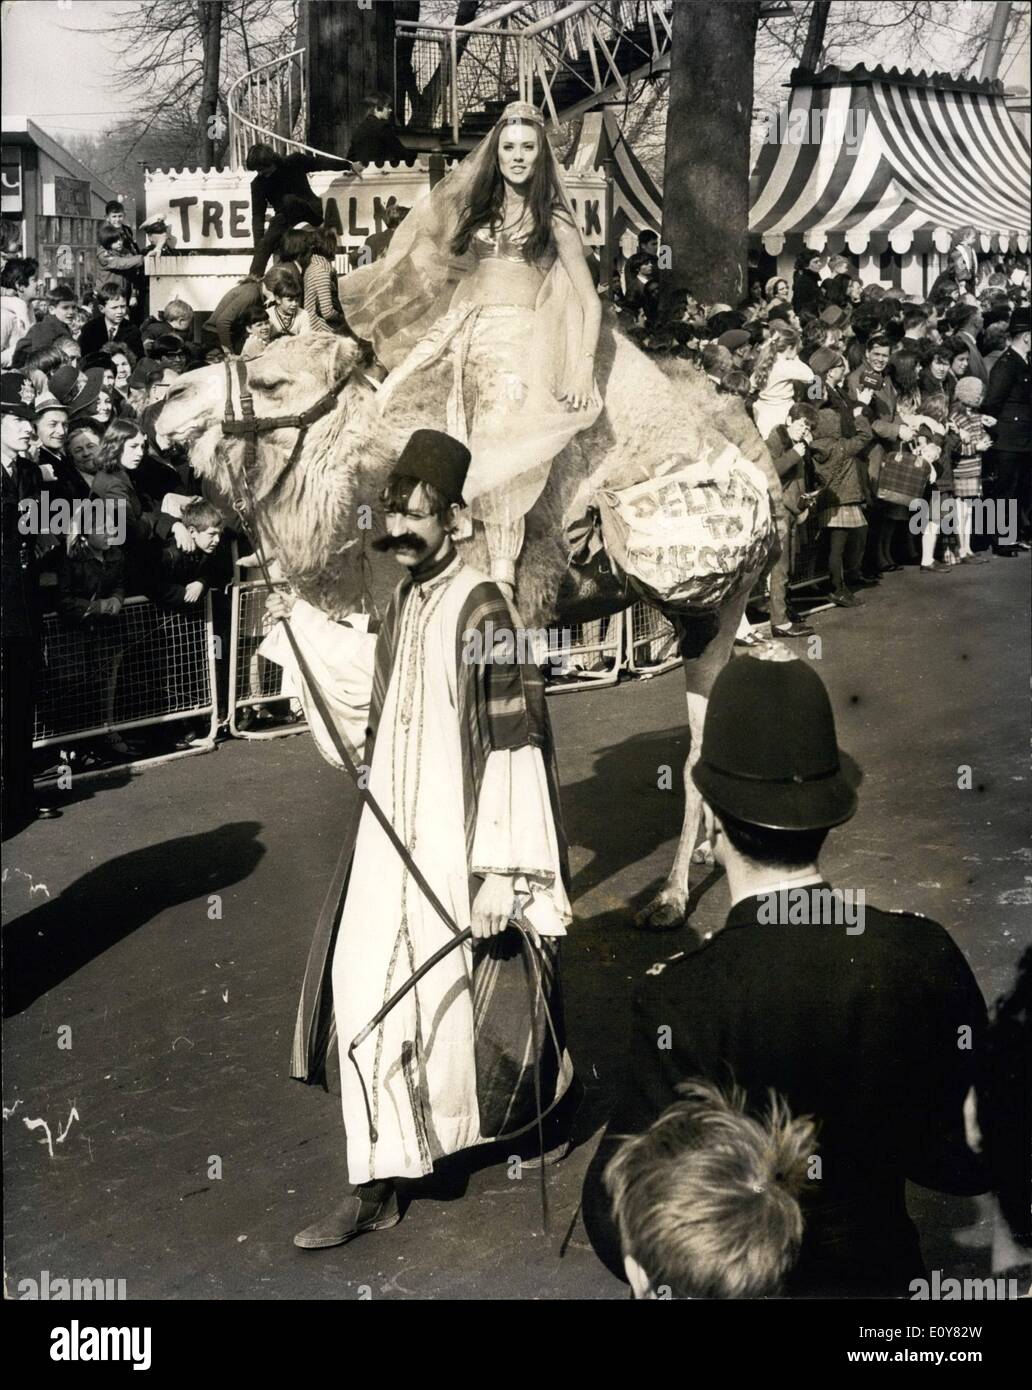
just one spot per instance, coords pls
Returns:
(486, 282)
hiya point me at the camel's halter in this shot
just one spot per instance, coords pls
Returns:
(248, 427)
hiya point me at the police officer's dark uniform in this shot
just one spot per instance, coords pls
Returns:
(875, 1034)
(21, 621)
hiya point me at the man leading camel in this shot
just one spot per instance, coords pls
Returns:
(459, 758)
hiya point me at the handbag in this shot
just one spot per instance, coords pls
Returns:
(902, 479)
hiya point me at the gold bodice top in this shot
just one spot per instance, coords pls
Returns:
(502, 276)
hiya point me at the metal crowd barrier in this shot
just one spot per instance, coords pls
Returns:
(254, 683)
(593, 655)
(152, 665)
(148, 666)
(651, 641)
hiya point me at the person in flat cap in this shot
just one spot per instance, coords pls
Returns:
(850, 1013)
(1010, 459)
(20, 495)
(458, 751)
(56, 470)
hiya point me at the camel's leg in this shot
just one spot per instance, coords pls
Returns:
(669, 908)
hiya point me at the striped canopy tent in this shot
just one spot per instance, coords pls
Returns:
(635, 201)
(887, 165)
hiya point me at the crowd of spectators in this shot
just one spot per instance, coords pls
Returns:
(108, 511)
(888, 415)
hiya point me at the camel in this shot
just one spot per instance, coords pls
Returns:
(313, 514)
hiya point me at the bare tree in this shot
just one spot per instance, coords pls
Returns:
(813, 48)
(209, 15)
(159, 54)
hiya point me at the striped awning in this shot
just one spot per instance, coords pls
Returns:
(891, 160)
(636, 202)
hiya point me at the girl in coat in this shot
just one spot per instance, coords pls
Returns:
(837, 444)
(778, 369)
(969, 429)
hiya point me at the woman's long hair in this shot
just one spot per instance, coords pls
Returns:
(488, 194)
(116, 436)
(782, 339)
(903, 371)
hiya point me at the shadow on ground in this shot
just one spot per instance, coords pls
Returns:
(46, 946)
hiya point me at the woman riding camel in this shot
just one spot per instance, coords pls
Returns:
(485, 293)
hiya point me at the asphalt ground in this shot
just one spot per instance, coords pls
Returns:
(155, 939)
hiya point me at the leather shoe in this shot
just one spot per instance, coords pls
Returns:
(48, 813)
(354, 1217)
(795, 629)
(846, 600)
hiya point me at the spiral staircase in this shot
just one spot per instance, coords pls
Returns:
(452, 81)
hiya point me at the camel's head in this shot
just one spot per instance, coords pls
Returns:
(305, 509)
(287, 378)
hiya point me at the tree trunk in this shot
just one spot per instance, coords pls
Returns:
(210, 121)
(298, 65)
(813, 48)
(350, 53)
(706, 179)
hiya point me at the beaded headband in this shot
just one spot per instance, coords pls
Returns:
(519, 111)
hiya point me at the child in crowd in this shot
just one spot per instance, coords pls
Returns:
(970, 430)
(774, 378)
(91, 589)
(56, 323)
(257, 331)
(322, 299)
(112, 324)
(176, 317)
(937, 449)
(186, 575)
(707, 1198)
(286, 317)
(837, 445)
(92, 576)
(119, 256)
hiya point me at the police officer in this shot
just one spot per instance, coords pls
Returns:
(20, 486)
(869, 1021)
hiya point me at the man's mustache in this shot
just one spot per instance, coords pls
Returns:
(406, 541)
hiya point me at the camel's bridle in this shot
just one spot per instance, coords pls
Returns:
(249, 426)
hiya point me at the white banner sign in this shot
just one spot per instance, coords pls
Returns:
(210, 210)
